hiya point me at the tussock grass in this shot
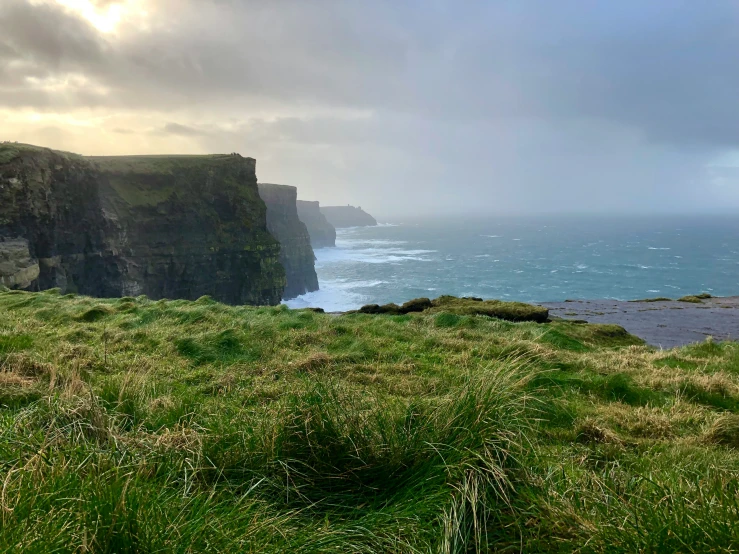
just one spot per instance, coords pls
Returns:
(692, 299)
(655, 299)
(451, 305)
(128, 425)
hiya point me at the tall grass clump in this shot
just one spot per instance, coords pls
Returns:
(444, 463)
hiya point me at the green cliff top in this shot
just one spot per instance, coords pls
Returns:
(165, 163)
(11, 150)
(149, 180)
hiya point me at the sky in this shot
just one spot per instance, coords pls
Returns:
(400, 106)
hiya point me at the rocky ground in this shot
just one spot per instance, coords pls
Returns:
(662, 323)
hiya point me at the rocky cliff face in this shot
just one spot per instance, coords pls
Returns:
(322, 233)
(163, 226)
(296, 254)
(347, 216)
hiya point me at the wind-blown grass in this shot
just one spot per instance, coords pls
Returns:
(129, 425)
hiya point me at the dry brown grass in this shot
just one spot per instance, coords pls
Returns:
(589, 431)
(724, 431)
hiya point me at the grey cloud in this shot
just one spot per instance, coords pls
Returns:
(183, 130)
(49, 36)
(537, 105)
(670, 75)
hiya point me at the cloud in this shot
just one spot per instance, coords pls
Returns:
(425, 105)
(184, 130)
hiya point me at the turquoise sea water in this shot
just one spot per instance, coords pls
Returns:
(528, 259)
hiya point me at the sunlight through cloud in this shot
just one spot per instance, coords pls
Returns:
(105, 18)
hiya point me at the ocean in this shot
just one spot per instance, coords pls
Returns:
(530, 259)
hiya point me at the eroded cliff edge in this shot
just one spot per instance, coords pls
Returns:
(322, 233)
(347, 216)
(296, 253)
(163, 226)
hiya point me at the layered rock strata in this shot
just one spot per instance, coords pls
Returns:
(296, 253)
(163, 226)
(322, 233)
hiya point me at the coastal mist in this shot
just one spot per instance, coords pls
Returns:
(531, 259)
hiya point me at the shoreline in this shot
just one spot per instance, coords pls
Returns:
(664, 323)
(660, 323)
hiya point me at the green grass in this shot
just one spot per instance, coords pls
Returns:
(164, 164)
(145, 181)
(695, 298)
(510, 311)
(128, 425)
(11, 150)
(8, 152)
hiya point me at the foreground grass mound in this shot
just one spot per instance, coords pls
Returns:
(128, 425)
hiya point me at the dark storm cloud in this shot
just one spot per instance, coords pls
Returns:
(532, 104)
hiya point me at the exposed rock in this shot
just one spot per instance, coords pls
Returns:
(163, 226)
(296, 254)
(322, 233)
(17, 268)
(663, 323)
(347, 216)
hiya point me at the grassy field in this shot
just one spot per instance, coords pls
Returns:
(128, 425)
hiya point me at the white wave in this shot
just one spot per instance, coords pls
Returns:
(350, 243)
(337, 295)
(348, 284)
(657, 248)
(389, 224)
(492, 236)
(331, 256)
(653, 290)
(331, 300)
(482, 256)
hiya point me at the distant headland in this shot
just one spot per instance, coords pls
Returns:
(347, 216)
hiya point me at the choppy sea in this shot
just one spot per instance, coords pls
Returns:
(531, 259)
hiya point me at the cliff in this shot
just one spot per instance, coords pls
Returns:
(163, 226)
(296, 254)
(347, 216)
(322, 233)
